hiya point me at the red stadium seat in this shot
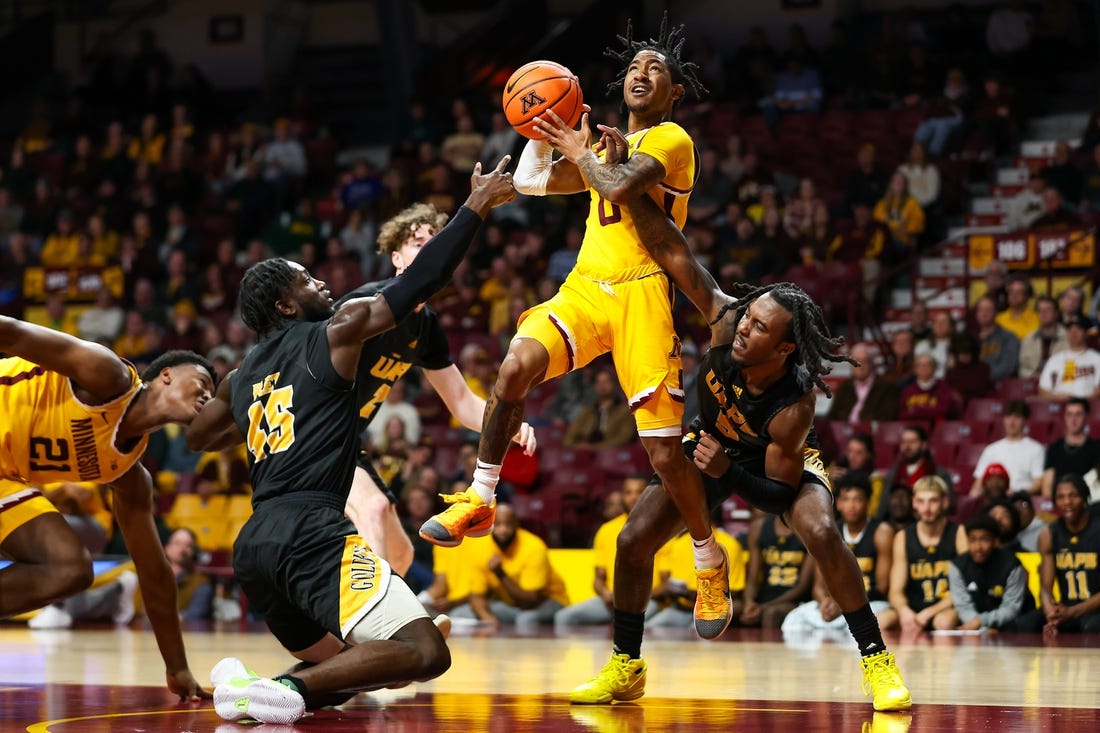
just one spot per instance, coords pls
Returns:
(619, 463)
(960, 431)
(1018, 388)
(985, 409)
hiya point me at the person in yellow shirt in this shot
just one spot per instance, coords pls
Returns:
(62, 245)
(597, 609)
(513, 583)
(676, 567)
(902, 214)
(1019, 317)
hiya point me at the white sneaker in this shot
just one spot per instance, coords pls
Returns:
(228, 669)
(125, 612)
(227, 609)
(51, 617)
(260, 699)
(443, 623)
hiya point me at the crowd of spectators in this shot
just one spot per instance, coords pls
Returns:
(162, 203)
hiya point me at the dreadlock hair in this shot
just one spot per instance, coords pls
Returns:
(404, 224)
(263, 284)
(813, 346)
(174, 358)
(669, 43)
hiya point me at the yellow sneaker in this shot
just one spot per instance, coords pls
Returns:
(713, 605)
(888, 723)
(882, 680)
(467, 516)
(621, 679)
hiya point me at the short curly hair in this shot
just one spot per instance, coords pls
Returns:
(400, 227)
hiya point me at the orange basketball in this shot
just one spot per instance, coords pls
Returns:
(537, 87)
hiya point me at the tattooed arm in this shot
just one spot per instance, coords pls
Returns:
(666, 244)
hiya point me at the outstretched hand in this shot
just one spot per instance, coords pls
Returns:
(184, 684)
(491, 189)
(572, 144)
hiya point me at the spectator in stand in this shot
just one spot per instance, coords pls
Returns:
(865, 241)
(103, 320)
(1048, 338)
(1031, 524)
(797, 89)
(798, 217)
(1070, 550)
(813, 246)
(920, 325)
(988, 585)
(753, 178)
(1073, 371)
(967, 374)
(1056, 214)
(914, 462)
(859, 456)
(922, 176)
(900, 367)
(1026, 206)
(928, 397)
(994, 280)
(998, 348)
(223, 472)
(865, 396)
(995, 118)
(713, 189)
(1071, 305)
(867, 183)
(183, 331)
(1019, 317)
(938, 340)
(1007, 517)
(994, 489)
(285, 164)
(945, 115)
(462, 146)
(395, 405)
(420, 504)
(871, 541)
(1064, 175)
(780, 573)
(607, 423)
(1020, 454)
(903, 215)
(1076, 451)
(597, 610)
(563, 260)
(919, 596)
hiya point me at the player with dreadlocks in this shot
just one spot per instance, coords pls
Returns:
(617, 299)
(754, 436)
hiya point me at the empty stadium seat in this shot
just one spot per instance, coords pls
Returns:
(1018, 388)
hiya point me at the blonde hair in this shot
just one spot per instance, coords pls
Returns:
(934, 484)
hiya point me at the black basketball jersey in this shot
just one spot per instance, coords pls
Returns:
(738, 419)
(928, 566)
(782, 561)
(299, 416)
(987, 582)
(1076, 557)
(418, 340)
(867, 556)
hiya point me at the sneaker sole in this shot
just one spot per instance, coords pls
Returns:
(906, 704)
(608, 699)
(264, 706)
(450, 541)
(704, 631)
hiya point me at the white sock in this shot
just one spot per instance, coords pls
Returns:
(707, 554)
(486, 478)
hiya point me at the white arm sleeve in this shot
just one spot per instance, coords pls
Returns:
(533, 169)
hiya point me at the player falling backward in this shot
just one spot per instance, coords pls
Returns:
(754, 436)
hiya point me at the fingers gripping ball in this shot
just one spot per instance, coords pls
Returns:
(537, 87)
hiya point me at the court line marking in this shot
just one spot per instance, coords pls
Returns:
(44, 726)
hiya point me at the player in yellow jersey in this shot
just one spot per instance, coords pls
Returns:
(72, 410)
(616, 299)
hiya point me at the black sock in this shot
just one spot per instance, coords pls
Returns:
(864, 627)
(629, 628)
(295, 683)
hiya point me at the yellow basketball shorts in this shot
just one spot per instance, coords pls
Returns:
(20, 504)
(633, 321)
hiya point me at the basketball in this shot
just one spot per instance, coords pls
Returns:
(539, 86)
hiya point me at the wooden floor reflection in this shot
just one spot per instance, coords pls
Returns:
(99, 679)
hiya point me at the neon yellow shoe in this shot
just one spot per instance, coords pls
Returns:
(621, 679)
(467, 516)
(888, 723)
(713, 604)
(882, 680)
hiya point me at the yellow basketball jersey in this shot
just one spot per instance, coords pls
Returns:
(47, 434)
(611, 251)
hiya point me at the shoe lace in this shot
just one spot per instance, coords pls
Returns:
(711, 590)
(878, 671)
(459, 498)
(616, 672)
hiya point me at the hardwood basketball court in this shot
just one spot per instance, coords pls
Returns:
(106, 679)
